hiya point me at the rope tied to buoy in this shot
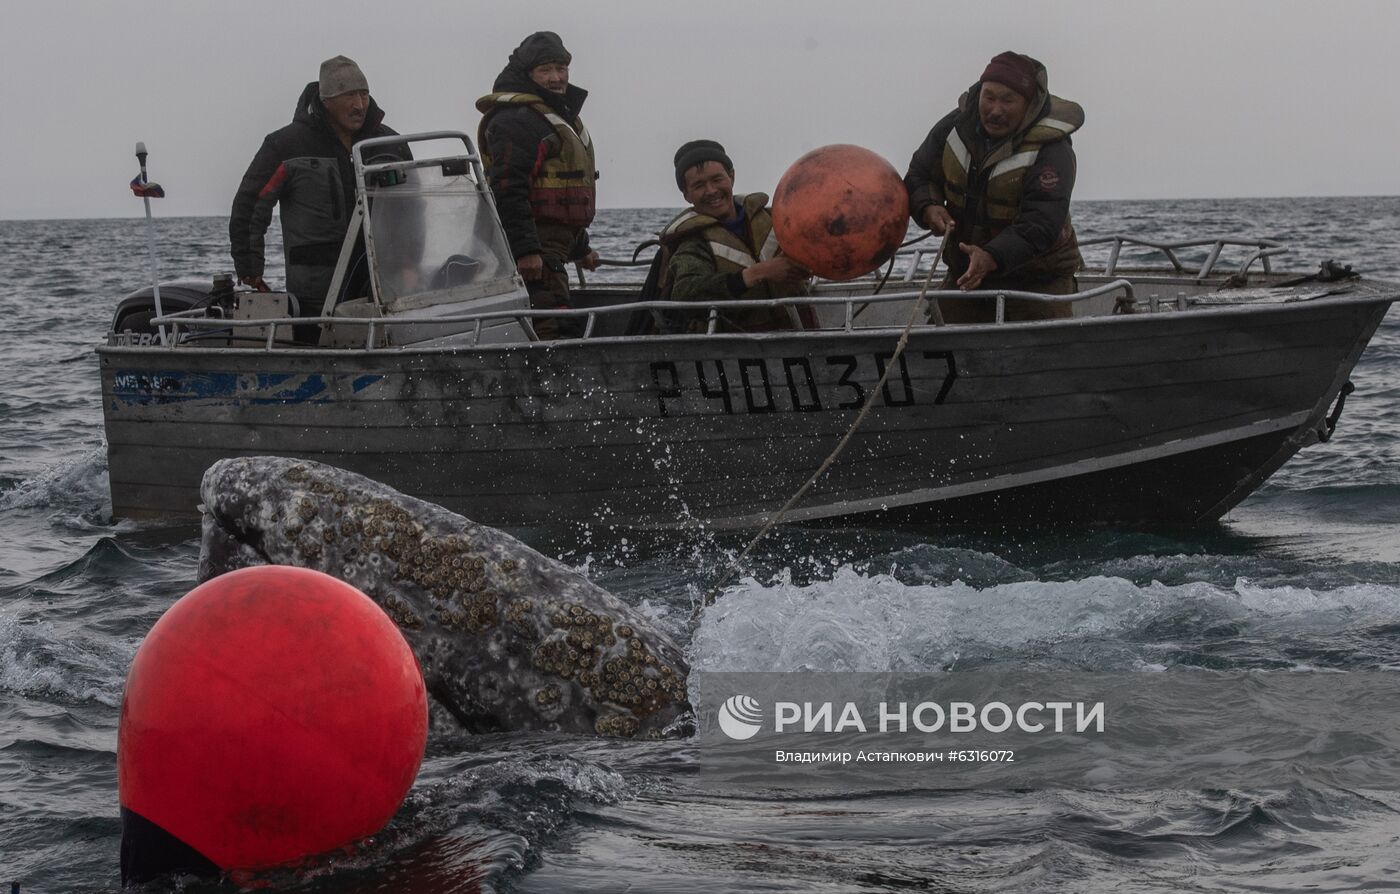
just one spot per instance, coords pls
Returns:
(919, 309)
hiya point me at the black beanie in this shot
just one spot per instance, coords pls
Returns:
(698, 152)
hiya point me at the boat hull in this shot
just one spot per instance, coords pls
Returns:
(1167, 418)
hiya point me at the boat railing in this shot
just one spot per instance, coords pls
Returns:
(1260, 251)
(853, 306)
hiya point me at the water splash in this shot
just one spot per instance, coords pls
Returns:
(877, 623)
(78, 484)
(44, 660)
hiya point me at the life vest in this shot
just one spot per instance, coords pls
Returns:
(999, 180)
(562, 185)
(733, 255)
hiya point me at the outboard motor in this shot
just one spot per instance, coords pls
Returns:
(131, 323)
(136, 309)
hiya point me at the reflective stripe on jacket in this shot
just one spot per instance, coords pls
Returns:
(694, 242)
(984, 193)
(731, 253)
(1006, 166)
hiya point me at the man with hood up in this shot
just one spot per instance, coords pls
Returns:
(998, 171)
(540, 162)
(306, 166)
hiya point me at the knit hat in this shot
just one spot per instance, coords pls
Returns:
(697, 152)
(538, 49)
(340, 74)
(1015, 71)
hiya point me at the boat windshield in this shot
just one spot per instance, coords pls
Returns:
(434, 238)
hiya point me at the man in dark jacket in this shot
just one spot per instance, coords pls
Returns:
(540, 163)
(306, 167)
(998, 171)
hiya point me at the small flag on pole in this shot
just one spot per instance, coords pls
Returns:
(146, 190)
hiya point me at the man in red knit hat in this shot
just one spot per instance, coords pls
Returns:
(998, 171)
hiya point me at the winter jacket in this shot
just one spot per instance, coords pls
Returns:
(306, 169)
(540, 170)
(1011, 196)
(707, 261)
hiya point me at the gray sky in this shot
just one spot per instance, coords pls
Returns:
(1187, 98)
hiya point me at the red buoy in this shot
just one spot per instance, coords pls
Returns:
(840, 211)
(272, 713)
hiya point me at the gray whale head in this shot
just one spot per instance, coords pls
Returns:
(508, 639)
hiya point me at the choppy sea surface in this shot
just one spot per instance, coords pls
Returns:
(1303, 576)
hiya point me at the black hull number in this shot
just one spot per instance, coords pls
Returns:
(799, 384)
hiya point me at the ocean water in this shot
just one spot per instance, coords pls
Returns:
(1305, 575)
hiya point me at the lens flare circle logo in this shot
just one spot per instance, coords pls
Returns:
(740, 717)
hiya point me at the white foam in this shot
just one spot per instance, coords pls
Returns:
(874, 623)
(859, 622)
(1376, 601)
(79, 482)
(37, 659)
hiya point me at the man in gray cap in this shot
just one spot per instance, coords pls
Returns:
(306, 167)
(540, 162)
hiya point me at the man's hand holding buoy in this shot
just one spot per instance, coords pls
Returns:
(979, 264)
(781, 269)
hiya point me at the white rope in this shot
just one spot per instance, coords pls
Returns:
(919, 309)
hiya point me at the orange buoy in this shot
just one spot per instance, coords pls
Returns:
(271, 714)
(840, 211)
